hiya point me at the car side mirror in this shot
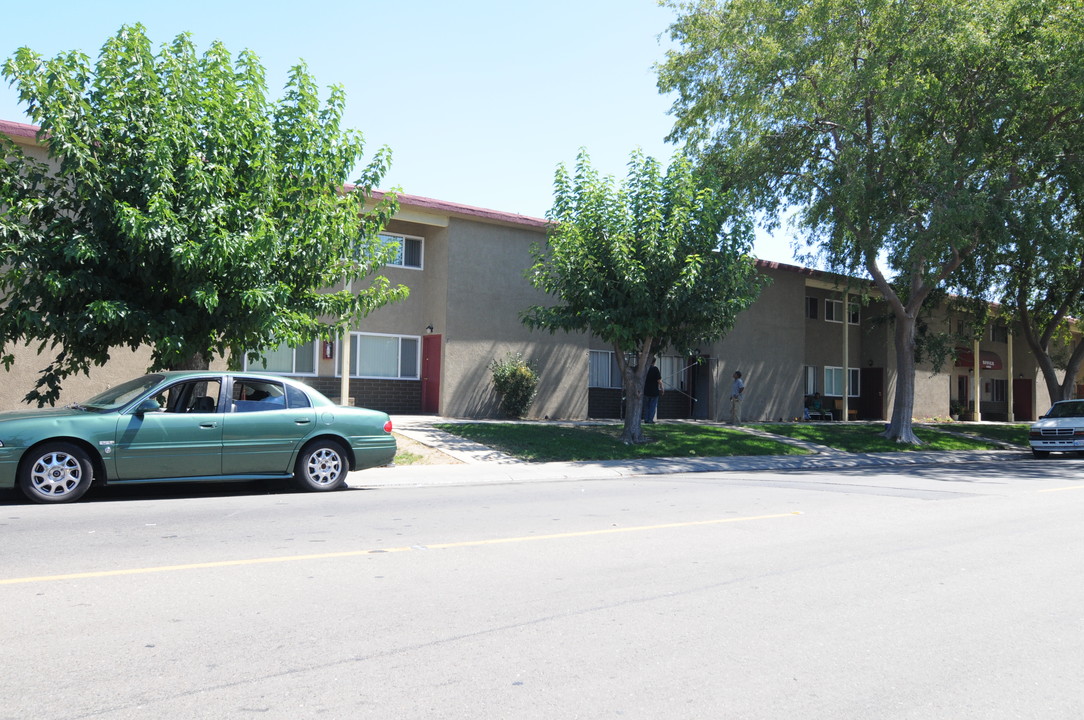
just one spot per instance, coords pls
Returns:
(148, 405)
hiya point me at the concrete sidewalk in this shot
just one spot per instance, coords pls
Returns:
(482, 465)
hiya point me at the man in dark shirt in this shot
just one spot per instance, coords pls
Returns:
(652, 392)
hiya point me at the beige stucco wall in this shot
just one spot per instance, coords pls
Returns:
(21, 379)
(485, 299)
(767, 346)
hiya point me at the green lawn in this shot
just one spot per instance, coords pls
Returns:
(1014, 434)
(863, 437)
(544, 442)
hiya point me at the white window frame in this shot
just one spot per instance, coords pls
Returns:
(613, 373)
(257, 366)
(833, 380)
(672, 368)
(400, 240)
(833, 310)
(355, 357)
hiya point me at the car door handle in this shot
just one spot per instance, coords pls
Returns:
(302, 421)
(208, 425)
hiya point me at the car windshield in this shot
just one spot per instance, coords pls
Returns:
(1067, 409)
(119, 396)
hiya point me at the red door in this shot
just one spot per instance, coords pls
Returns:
(431, 373)
(1022, 402)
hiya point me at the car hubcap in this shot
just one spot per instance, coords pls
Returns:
(325, 467)
(56, 474)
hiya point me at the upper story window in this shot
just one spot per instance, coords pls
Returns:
(286, 360)
(811, 308)
(999, 333)
(409, 253)
(833, 312)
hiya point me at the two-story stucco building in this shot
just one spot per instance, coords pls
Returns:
(809, 332)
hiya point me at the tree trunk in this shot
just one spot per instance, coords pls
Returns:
(903, 407)
(195, 361)
(1057, 389)
(633, 380)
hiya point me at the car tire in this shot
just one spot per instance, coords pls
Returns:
(1040, 453)
(56, 473)
(322, 465)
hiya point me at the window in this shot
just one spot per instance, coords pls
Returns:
(833, 311)
(999, 390)
(604, 372)
(257, 396)
(810, 379)
(811, 308)
(672, 368)
(385, 356)
(409, 253)
(286, 360)
(999, 333)
(192, 396)
(833, 382)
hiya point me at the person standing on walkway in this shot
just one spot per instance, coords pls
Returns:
(652, 392)
(736, 389)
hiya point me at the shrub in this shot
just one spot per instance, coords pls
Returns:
(516, 383)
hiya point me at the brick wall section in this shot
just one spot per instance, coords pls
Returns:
(603, 403)
(402, 397)
(606, 403)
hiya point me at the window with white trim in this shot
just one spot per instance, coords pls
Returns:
(409, 250)
(999, 390)
(833, 312)
(810, 379)
(285, 360)
(833, 382)
(672, 368)
(374, 355)
(604, 372)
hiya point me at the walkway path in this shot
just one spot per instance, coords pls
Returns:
(482, 464)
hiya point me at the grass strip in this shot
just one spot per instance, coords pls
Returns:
(546, 442)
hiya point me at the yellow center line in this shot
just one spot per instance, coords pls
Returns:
(380, 551)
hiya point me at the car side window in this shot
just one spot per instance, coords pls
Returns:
(257, 396)
(297, 398)
(190, 396)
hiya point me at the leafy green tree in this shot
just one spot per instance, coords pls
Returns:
(897, 130)
(1037, 278)
(653, 263)
(181, 208)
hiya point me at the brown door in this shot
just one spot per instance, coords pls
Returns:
(1022, 402)
(431, 373)
(871, 394)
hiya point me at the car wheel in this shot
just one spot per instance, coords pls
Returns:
(55, 473)
(322, 465)
(1040, 453)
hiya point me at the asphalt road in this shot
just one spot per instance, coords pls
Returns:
(925, 592)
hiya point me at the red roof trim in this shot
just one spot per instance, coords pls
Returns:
(451, 208)
(15, 129)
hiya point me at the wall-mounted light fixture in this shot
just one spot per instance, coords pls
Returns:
(429, 328)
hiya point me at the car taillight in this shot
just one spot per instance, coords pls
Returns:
(387, 426)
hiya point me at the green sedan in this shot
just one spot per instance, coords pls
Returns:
(191, 427)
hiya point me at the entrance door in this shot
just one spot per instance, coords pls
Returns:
(871, 393)
(431, 373)
(1023, 406)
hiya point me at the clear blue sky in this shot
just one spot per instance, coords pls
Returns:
(479, 100)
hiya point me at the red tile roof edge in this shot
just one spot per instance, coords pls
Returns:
(16, 129)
